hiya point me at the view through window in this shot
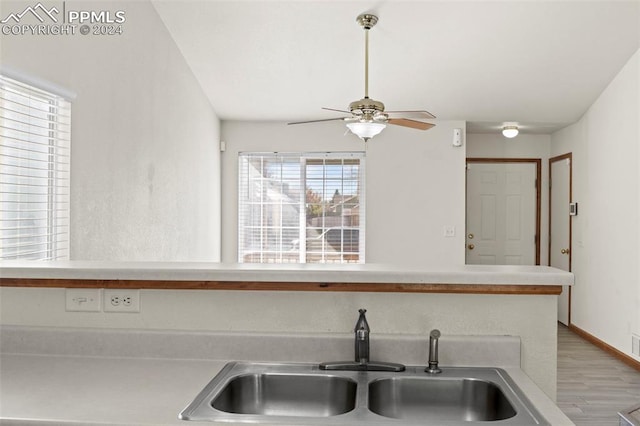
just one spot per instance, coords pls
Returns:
(34, 173)
(301, 208)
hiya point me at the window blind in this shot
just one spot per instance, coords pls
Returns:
(34, 173)
(301, 208)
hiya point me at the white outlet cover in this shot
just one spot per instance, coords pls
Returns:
(457, 137)
(449, 231)
(635, 344)
(82, 300)
(121, 294)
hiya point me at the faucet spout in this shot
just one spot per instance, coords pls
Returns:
(362, 353)
(362, 331)
(433, 353)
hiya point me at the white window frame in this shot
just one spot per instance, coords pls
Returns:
(35, 175)
(287, 251)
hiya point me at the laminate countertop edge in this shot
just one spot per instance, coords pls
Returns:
(306, 277)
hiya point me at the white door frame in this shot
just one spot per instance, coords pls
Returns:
(538, 163)
(563, 157)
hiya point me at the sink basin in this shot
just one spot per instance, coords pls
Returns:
(287, 395)
(270, 393)
(302, 394)
(415, 398)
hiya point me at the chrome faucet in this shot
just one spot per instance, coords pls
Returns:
(362, 331)
(362, 353)
(433, 353)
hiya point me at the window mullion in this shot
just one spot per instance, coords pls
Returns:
(302, 231)
(50, 189)
(361, 213)
(281, 212)
(263, 184)
(324, 212)
(342, 194)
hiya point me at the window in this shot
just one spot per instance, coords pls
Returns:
(34, 173)
(301, 208)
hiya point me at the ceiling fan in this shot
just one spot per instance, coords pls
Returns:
(367, 116)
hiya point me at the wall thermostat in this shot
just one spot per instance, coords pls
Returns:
(457, 137)
(573, 209)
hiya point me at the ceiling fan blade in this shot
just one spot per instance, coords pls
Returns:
(411, 123)
(421, 113)
(318, 121)
(337, 110)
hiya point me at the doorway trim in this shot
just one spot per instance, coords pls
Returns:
(538, 163)
(567, 156)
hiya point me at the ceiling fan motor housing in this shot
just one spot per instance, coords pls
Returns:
(366, 106)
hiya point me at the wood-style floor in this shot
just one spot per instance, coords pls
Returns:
(592, 385)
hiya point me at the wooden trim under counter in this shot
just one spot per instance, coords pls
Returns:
(517, 289)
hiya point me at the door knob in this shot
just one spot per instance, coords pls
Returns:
(471, 246)
(564, 251)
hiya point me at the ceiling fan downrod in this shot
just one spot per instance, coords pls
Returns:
(366, 109)
(366, 21)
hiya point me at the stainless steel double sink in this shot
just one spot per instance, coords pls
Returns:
(302, 394)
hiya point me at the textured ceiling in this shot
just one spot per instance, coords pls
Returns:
(539, 63)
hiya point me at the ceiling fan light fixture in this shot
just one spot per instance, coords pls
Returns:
(510, 131)
(366, 130)
(367, 117)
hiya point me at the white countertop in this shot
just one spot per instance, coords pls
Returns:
(349, 273)
(69, 377)
(74, 391)
(65, 390)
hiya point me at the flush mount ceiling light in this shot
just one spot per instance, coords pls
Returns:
(367, 117)
(510, 131)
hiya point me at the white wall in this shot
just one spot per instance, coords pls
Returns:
(145, 158)
(414, 185)
(606, 237)
(522, 146)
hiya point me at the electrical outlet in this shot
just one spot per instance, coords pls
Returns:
(635, 344)
(82, 299)
(121, 300)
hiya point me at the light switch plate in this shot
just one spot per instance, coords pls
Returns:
(83, 300)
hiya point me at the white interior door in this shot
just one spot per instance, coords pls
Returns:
(501, 213)
(559, 226)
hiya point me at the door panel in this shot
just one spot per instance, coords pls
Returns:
(502, 213)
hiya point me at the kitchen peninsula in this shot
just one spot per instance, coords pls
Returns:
(248, 299)
(478, 279)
